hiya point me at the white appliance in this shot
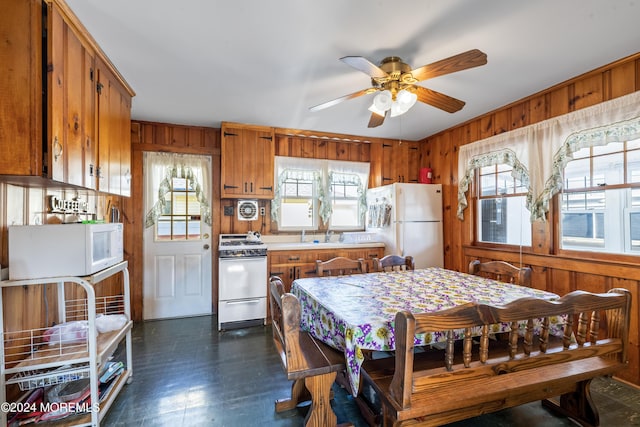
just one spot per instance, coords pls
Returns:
(407, 218)
(63, 249)
(242, 280)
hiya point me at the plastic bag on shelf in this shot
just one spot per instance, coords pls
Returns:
(73, 332)
(110, 322)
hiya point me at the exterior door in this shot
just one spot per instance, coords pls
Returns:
(178, 256)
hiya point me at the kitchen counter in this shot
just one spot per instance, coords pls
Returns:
(296, 246)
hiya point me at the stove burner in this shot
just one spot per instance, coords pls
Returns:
(239, 243)
(237, 246)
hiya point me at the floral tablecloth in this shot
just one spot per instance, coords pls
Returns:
(355, 313)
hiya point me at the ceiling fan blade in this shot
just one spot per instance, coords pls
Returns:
(438, 100)
(463, 61)
(364, 65)
(376, 120)
(339, 100)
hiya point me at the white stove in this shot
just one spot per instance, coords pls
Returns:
(242, 281)
(237, 245)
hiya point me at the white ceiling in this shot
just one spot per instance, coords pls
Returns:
(200, 62)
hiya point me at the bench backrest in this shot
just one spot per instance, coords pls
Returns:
(587, 308)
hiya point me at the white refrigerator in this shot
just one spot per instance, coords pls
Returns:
(407, 218)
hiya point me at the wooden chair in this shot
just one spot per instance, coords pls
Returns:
(502, 271)
(393, 263)
(310, 363)
(340, 266)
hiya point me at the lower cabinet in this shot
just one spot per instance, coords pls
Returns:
(292, 265)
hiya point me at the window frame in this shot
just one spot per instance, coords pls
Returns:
(500, 168)
(322, 198)
(625, 207)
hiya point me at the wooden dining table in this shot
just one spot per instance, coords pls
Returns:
(355, 313)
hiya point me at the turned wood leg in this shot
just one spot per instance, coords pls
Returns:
(299, 393)
(320, 414)
(577, 405)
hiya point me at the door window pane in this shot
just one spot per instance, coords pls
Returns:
(181, 213)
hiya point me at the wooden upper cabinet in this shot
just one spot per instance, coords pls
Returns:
(21, 88)
(395, 155)
(56, 136)
(114, 134)
(247, 161)
(70, 131)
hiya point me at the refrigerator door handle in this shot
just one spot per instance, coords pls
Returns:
(400, 231)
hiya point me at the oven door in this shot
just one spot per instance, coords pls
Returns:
(242, 278)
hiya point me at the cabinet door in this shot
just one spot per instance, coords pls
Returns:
(414, 162)
(21, 88)
(247, 161)
(259, 151)
(231, 165)
(114, 134)
(71, 104)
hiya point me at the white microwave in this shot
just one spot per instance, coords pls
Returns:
(38, 251)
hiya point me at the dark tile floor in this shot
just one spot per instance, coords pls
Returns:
(185, 373)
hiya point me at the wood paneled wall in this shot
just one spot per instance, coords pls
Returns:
(552, 270)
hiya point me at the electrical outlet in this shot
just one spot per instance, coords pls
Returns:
(263, 211)
(228, 211)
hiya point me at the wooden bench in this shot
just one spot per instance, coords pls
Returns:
(478, 375)
(311, 364)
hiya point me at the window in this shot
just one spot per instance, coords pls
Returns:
(345, 191)
(298, 205)
(501, 212)
(600, 201)
(180, 219)
(312, 194)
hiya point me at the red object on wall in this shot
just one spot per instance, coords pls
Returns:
(426, 175)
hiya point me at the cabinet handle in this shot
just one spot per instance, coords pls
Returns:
(294, 258)
(270, 188)
(57, 148)
(291, 273)
(227, 187)
(127, 176)
(90, 170)
(251, 187)
(245, 187)
(98, 172)
(276, 273)
(386, 179)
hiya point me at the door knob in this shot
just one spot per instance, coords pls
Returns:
(206, 246)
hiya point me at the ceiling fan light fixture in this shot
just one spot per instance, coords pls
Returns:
(383, 101)
(406, 99)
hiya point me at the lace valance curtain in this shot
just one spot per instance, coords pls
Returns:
(538, 153)
(350, 173)
(295, 168)
(161, 168)
(321, 173)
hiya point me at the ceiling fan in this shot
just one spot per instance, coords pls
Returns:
(396, 83)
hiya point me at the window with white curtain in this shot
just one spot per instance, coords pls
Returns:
(176, 188)
(313, 194)
(600, 200)
(501, 206)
